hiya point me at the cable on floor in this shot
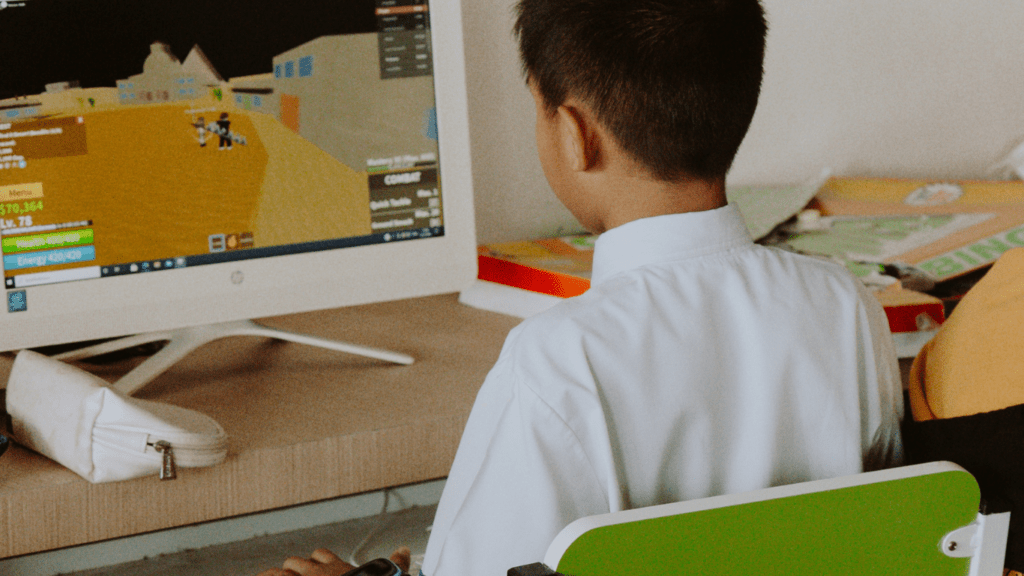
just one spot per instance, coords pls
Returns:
(382, 521)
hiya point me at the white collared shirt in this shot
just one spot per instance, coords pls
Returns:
(698, 364)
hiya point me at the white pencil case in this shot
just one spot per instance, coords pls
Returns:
(71, 416)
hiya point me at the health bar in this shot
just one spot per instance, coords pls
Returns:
(16, 244)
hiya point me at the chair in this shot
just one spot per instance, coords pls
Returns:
(915, 520)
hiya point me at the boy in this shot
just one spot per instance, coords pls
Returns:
(698, 363)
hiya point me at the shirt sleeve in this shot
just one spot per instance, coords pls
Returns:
(881, 391)
(520, 476)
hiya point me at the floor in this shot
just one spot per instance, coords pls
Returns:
(383, 534)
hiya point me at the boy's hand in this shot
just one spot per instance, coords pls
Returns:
(323, 562)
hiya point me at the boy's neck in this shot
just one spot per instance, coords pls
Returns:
(634, 196)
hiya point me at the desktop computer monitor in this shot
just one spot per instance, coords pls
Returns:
(172, 164)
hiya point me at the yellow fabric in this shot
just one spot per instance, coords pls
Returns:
(975, 363)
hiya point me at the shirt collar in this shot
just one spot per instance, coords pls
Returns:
(669, 237)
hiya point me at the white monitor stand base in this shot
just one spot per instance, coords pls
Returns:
(181, 342)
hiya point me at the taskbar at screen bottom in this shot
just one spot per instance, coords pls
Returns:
(227, 255)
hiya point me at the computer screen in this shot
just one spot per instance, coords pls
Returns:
(166, 164)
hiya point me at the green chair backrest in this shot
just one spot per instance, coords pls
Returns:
(887, 522)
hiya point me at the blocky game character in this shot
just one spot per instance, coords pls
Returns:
(225, 131)
(200, 126)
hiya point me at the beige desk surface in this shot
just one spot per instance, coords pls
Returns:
(305, 424)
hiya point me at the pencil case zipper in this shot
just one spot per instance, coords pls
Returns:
(168, 449)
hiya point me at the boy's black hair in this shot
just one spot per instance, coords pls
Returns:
(676, 82)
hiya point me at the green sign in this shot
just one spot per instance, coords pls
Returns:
(976, 255)
(50, 240)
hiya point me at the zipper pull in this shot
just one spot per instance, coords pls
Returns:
(168, 469)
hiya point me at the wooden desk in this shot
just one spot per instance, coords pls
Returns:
(305, 424)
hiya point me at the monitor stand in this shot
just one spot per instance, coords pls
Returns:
(181, 342)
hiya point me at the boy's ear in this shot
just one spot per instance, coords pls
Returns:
(578, 138)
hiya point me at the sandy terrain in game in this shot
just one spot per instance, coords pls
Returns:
(153, 192)
(307, 194)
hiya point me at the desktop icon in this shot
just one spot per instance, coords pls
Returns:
(17, 301)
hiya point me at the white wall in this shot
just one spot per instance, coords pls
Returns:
(901, 88)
